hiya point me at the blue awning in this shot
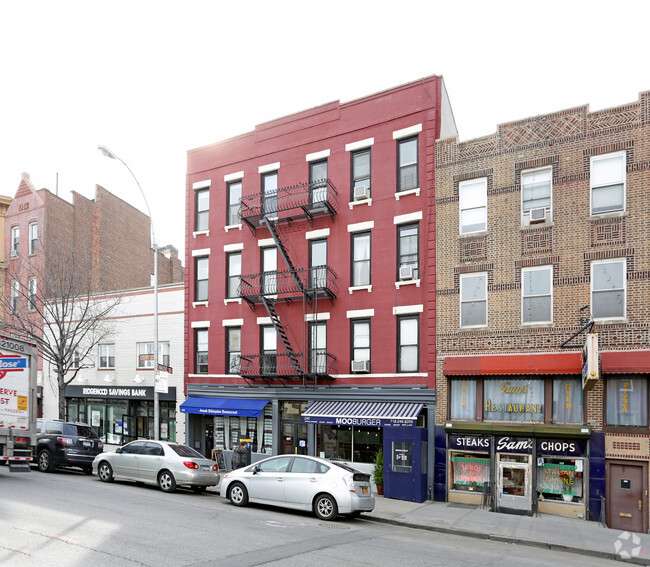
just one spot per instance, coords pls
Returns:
(369, 414)
(224, 406)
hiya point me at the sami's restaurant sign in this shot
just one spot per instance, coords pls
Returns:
(514, 400)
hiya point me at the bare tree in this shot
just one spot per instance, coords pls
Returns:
(49, 300)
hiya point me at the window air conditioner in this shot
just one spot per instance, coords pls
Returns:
(538, 215)
(361, 192)
(360, 366)
(406, 273)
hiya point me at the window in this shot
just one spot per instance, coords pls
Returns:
(536, 191)
(202, 210)
(627, 400)
(360, 332)
(234, 203)
(360, 172)
(146, 358)
(361, 258)
(608, 183)
(536, 295)
(201, 287)
(15, 240)
(270, 270)
(15, 292)
(76, 359)
(33, 238)
(269, 350)
(31, 299)
(513, 398)
(318, 263)
(407, 159)
(318, 348)
(608, 291)
(201, 351)
(408, 262)
(463, 399)
(234, 274)
(233, 353)
(107, 356)
(567, 400)
(472, 197)
(473, 300)
(408, 336)
(318, 181)
(270, 193)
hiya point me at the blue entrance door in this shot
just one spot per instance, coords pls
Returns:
(405, 463)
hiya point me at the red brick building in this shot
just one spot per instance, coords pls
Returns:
(542, 248)
(310, 304)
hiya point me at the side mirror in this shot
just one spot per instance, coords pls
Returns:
(118, 450)
(256, 469)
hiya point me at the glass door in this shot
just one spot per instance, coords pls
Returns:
(514, 483)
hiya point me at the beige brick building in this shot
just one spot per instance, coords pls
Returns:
(542, 230)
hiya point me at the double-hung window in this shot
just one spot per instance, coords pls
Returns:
(33, 238)
(234, 274)
(472, 197)
(15, 240)
(536, 193)
(202, 203)
(146, 358)
(270, 193)
(201, 351)
(360, 332)
(361, 258)
(608, 289)
(318, 181)
(318, 347)
(608, 183)
(408, 257)
(408, 337)
(15, 293)
(360, 174)
(407, 164)
(537, 295)
(318, 263)
(473, 300)
(234, 203)
(107, 356)
(233, 350)
(269, 270)
(201, 286)
(31, 298)
(269, 350)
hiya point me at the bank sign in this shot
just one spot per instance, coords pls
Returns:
(359, 421)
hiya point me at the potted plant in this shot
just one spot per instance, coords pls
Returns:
(378, 471)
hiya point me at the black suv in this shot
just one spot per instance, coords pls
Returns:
(65, 444)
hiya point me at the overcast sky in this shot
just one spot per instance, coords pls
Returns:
(153, 79)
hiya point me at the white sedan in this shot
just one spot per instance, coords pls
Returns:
(304, 483)
(157, 462)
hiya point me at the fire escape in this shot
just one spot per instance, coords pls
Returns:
(302, 360)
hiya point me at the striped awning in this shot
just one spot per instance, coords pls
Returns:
(369, 414)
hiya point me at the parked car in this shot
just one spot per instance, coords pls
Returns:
(303, 483)
(158, 462)
(65, 444)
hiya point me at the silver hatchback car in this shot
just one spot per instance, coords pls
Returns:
(157, 462)
(324, 487)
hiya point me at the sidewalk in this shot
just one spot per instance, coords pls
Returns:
(552, 532)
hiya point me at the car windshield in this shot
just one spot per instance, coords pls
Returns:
(185, 451)
(78, 430)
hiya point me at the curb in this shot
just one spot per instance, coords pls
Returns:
(509, 539)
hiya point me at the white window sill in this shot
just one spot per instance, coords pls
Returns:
(199, 303)
(201, 233)
(416, 283)
(612, 215)
(353, 204)
(473, 234)
(535, 225)
(232, 227)
(538, 324)
(368, 288)
(612, 321)
(473, 328)
(234, 300)
(400, 194)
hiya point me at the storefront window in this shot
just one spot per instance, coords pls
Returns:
(469, 471)
(567, 401)
(463, 399)
(354, 444)
(560, 479)
(513, 400)
(627, 401)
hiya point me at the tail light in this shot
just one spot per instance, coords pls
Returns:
(65, 440)
(215, 468)
(348, 480)
(190, 464)
(100, 444)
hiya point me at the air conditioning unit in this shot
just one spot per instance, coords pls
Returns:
(538, 215)
(406, 273)
(361, 192)
(360, 366)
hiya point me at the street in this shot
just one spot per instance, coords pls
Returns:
(68, 519)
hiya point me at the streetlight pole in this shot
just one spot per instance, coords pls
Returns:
(156, 399)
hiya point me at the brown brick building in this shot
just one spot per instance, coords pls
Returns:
(542, 230)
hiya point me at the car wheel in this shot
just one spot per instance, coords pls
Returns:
(105, 472)
(238, 494)
(45, 463)
(199, 489)
(325, 507)
(166, 481)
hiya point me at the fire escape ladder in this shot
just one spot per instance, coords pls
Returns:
(282, 333)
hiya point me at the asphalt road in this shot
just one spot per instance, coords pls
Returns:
(68, 519)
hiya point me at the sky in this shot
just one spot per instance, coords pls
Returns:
(153, 79)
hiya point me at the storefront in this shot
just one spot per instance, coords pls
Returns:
(121, 414)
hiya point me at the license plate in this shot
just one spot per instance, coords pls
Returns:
(88, 443)
(364, 490)
(205, 467)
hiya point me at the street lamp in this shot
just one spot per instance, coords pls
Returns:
(156, 401)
